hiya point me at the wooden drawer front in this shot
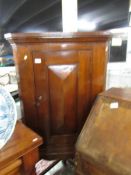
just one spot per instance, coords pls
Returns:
(12, 169)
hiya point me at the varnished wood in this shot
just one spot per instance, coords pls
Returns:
(124, 94)
(57, 93)
(58, 37)
(104, 145)
(19, 155)
(12, 169)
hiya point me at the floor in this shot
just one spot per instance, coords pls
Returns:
(61, 169)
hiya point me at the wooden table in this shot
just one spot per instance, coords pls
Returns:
(20, 154)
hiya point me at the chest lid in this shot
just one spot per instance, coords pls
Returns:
(106, 136)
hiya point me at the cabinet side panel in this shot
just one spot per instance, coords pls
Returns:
(99, 69)
(25, 78)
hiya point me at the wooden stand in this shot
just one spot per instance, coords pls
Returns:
(20, 154)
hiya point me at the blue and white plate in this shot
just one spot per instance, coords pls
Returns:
(8, 116)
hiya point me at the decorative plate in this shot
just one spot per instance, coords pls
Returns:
(8, 116)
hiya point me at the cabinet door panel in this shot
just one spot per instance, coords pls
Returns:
(62, 81)
(64, 78)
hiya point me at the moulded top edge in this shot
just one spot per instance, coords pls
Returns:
(57, 35)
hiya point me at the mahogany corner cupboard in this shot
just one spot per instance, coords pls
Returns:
(59, 76)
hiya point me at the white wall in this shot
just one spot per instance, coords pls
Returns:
(119, 74)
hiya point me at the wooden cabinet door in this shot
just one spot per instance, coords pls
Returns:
(62, 92)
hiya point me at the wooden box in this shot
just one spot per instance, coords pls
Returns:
(104, 145)
(59, 76)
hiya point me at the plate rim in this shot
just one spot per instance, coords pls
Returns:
(15, 115)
